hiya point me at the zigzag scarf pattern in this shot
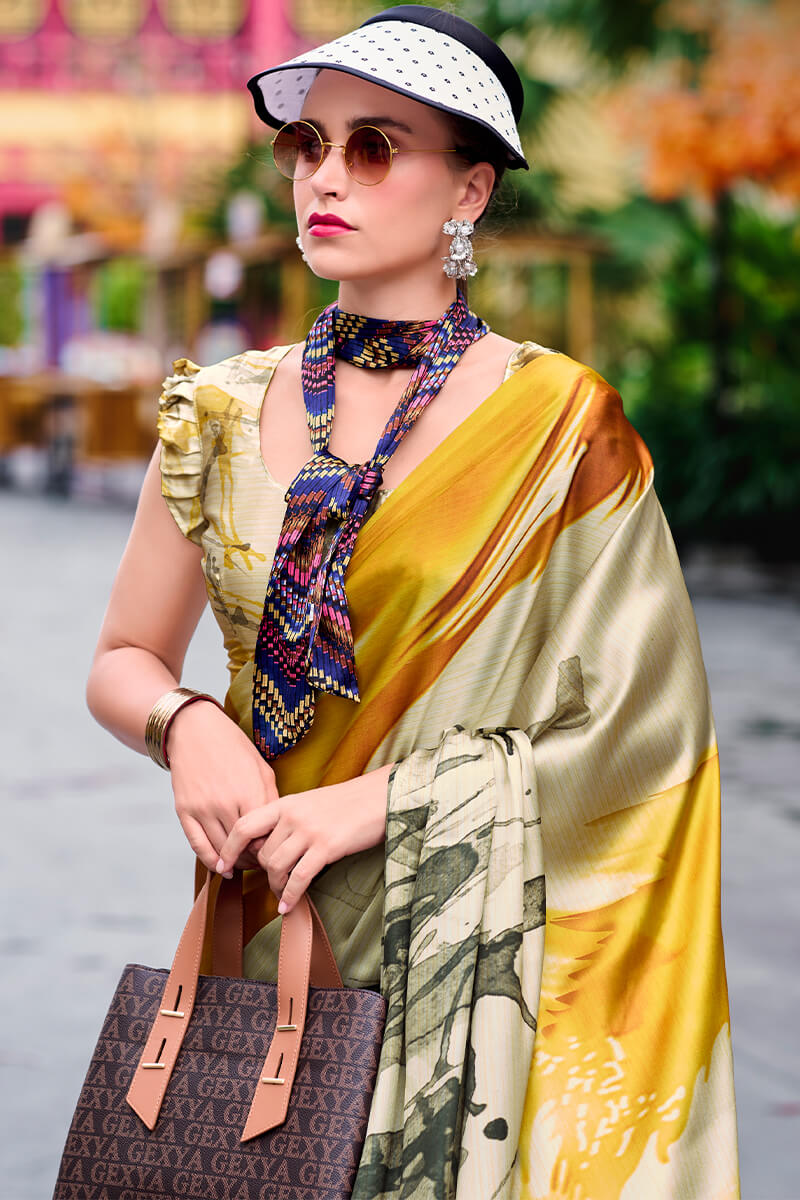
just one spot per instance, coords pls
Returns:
(305, 642)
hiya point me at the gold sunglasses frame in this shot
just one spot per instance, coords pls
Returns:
(326, 146)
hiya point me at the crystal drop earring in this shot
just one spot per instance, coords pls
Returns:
(459, 263)
(299, 245)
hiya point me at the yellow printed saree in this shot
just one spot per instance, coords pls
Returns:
(544, 915)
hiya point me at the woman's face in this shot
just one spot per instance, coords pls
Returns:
(397, 223)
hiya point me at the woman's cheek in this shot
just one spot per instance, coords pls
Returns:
(411, 216)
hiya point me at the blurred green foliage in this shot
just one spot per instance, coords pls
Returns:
(254, 171)
(11, 323)
(118, 290)
(727, 465)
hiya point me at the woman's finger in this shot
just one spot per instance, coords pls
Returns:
(246, 861)
(283, 830)
(279, 856)
(216, 833)
(199, 842)
(302, 874)
(279, 859)
(257, 823)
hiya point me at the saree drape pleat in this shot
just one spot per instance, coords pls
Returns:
(521, 582)
(463, 945)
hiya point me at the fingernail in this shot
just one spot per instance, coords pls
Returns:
(220, 867)
(227, 875)
(283, 907)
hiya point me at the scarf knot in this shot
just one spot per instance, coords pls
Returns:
(359, 483)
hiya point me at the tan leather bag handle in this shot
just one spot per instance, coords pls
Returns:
(227, 938)
(305, 954)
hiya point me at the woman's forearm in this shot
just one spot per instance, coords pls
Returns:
(123, 685)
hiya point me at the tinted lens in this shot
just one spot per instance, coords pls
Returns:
(368, 155)
(297, 150)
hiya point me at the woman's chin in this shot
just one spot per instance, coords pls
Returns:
(345, 272)
(347, 269)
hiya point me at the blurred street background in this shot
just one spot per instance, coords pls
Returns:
(657, 238)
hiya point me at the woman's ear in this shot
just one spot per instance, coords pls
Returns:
(475, 191)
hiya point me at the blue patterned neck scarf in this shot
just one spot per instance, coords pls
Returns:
(305, 643)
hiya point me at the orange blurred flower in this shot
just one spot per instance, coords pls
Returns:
(739, 118)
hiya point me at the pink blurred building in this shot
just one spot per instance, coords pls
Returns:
(88, 86)
(116, 121)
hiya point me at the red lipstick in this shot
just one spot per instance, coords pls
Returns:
(326, 225)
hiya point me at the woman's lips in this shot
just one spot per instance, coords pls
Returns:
(325, 226)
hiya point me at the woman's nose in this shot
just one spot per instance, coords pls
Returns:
(332, 174)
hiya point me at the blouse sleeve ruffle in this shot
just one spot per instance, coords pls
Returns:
(181, 449)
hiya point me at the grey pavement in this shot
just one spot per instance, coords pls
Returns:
(95, 871)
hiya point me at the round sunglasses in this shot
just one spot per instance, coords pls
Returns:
(298, 151)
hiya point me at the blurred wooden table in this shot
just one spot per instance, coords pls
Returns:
(76, 420)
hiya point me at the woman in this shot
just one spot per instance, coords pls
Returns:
(463, 675)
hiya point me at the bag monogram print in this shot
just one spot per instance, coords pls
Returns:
(195, 1147)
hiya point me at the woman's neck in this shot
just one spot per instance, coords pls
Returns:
(397, 301)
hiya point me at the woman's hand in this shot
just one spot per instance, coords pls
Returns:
(218, 776)
(300, 834)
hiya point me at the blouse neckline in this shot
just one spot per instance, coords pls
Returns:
(280, 354)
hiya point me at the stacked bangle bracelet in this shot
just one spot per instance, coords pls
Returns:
(161, 717)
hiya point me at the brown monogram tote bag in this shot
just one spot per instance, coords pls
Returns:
(225, 1088)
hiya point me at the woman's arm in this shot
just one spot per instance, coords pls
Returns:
(156, 602)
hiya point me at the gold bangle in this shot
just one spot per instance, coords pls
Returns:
(162, 714)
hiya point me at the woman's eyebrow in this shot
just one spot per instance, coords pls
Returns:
(318, 125)
(355, 122)
(391, 121)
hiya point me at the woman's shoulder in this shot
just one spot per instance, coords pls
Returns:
(248, 366)
(228, 389)
(504, 355)
(560, 370)
(522, 353)
(578, 397)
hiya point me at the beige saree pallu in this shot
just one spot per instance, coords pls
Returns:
(548, 893)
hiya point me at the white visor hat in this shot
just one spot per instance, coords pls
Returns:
(432, 56)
